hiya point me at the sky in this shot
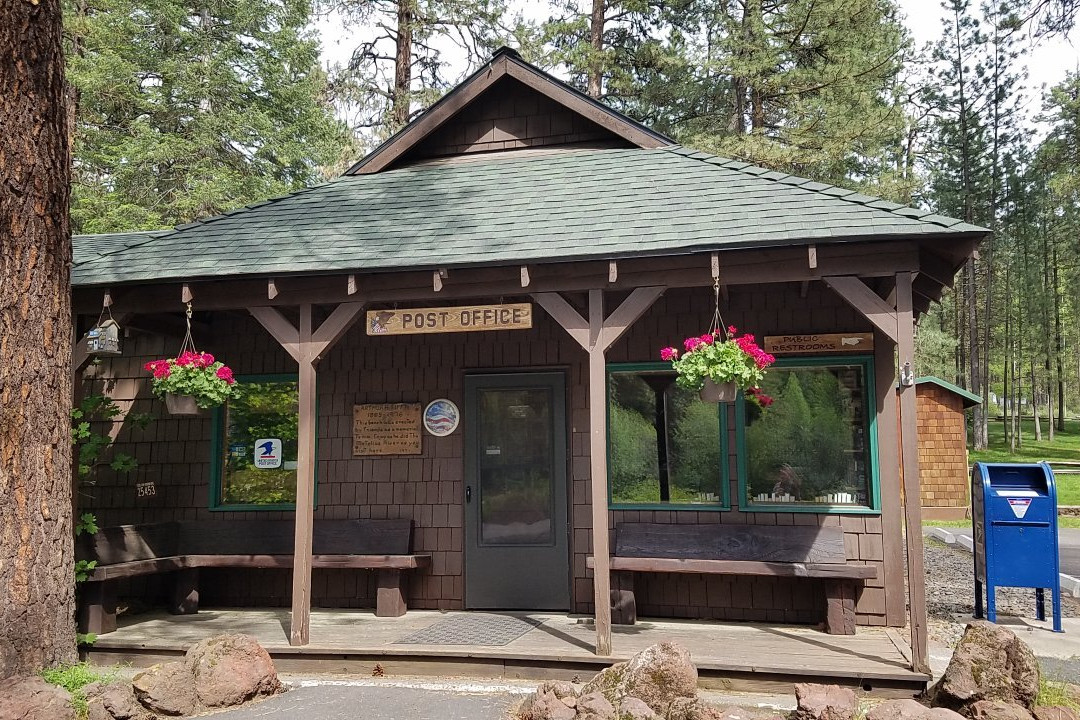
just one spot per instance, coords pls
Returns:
(1047, 60)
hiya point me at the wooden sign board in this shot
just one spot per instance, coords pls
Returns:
(855, 342)
(466, 318)
(391, 429)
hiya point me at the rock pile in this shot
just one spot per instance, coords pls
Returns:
(218, 672)
(659, 683)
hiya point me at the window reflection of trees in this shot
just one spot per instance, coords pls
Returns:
(262, 410)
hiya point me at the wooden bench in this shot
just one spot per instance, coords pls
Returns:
(182, 548)
(772, 551)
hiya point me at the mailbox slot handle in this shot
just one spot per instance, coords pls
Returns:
(1020, 523)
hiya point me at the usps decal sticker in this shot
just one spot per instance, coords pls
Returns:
(1019, 506)
(268, 453)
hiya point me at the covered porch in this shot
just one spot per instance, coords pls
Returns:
(730, 656)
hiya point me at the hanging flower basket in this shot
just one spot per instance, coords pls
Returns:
(720, 367)
(192, 380)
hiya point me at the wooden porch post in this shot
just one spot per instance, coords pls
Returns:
(598, 473)
(596, 336)
(307, 346)
(892, 524)
(909, 444)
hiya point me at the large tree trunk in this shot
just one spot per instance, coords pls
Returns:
(406, 16)
(37, 575)
(595, 85)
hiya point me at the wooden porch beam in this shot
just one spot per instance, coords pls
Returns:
(866, 301)
(306, 345)
(936, 268)
(598, 474)
(909, 444)
(595, 336)
(280, 329)
(626, 314)
(567, 317)
(300, 629)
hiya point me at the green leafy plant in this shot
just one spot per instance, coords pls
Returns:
(196, 374)
(91, 448)
(87, 523)
(83, 569)
(85, 639)
(76, 676)
(736, 359)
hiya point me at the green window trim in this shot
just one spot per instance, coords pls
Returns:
(217, 448)
(725, 472)
(874, 479)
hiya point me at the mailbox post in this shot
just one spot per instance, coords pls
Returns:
(1014, 517)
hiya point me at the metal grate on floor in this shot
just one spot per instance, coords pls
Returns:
(473, 629)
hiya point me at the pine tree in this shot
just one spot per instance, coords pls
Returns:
(183, 111)
(400, 68)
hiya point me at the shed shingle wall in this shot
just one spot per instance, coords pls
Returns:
(943, 460)
(175, 454)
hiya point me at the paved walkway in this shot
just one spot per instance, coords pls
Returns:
(345, 702)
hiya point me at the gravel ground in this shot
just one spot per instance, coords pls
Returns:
(950, 591)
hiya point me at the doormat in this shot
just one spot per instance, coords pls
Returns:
(473, 629)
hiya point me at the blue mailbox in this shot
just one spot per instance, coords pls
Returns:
(1014, 513)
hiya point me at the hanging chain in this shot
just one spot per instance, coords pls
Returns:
(718, 328)
(106, 309)
(189, 343)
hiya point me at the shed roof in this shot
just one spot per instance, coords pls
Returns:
(969, 399)
(509, 208)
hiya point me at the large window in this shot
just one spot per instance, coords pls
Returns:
(665, 446)
(813, 448)
(255, 446)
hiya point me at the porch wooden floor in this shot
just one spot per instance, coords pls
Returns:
(731, 656)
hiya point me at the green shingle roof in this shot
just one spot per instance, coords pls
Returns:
(510, 208)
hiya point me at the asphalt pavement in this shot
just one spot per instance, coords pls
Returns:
(378, 702)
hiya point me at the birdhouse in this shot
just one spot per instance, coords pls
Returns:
(104, 338)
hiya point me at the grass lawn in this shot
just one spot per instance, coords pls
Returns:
(1064, 521)
(1066, 446)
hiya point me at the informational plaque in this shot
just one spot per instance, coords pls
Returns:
(390, 429)
(855, 342)
(465, 318)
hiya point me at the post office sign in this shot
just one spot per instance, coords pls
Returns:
(465, 318)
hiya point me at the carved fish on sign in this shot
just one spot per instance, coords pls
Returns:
(851, 341)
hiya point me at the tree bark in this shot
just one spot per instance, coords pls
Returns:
(37, 580)
(595, 85)
(399, 113)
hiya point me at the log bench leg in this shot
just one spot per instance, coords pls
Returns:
(97, 608)
(623, 602)
(840, 607)
(390, 595)
(185, 592)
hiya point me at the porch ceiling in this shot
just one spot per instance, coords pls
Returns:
(512, 209)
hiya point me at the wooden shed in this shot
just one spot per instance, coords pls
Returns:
(455, 348)
(943, 449)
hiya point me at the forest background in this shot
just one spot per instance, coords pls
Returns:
(186, 108)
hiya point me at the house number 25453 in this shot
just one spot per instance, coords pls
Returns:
(145, 489)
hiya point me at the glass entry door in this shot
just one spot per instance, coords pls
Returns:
(516, 544)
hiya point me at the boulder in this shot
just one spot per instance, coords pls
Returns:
(824, 702)
(230, 670)
(990, 663)
(31, 698)
(997, 710)
(560, 688)
(544, 705)
(691, 708)
(910, 710)
(631, 708)
(166, 688)
(657, 676)
(594, 706)
(1055, 712)
(113, 701)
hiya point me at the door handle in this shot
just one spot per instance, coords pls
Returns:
(468, 493)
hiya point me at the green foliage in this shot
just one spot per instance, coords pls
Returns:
(91, 446)
(187, 111)
(1060, 694)
(85, 639)
(719, 361)
(260, 410)
(75, 677)
(83, 569)
(803, 444)
(87, 523)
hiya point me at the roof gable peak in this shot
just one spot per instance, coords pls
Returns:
(507, 72)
